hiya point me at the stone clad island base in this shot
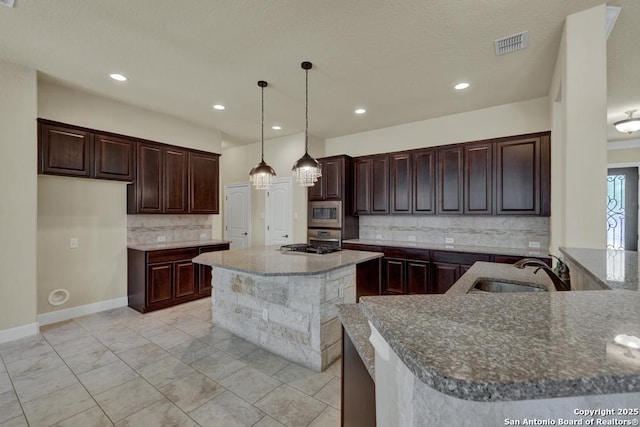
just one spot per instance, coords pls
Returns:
(293, 316)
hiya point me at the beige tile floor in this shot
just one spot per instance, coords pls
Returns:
(166, 368)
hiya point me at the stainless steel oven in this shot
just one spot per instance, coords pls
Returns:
(324, 237)
(327, 214)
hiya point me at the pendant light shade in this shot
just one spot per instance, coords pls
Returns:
(306, 170)
(630, 124)
(262, 173)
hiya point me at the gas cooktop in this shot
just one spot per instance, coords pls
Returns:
(309, 249)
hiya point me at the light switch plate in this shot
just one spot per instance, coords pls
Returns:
(534, 245)
(412, 238)
(162, 238)
(448, 239)
(378, 236)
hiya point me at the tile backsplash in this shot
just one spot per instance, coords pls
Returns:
(497, 231)
(174, 228)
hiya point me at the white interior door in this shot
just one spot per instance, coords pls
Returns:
(279, 209)
(237, 215)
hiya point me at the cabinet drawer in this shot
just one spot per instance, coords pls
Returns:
(459, 257)
(417, 254)
(213, 248)
(357, 247)
(171, 255)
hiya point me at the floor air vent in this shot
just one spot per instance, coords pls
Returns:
(511, 43)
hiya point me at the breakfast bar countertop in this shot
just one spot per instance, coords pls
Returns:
(270, 261)
(610, 269)
(513, 346)
(357, 327)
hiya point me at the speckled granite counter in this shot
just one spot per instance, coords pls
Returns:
(502, 347)
(357, 327)
(175, 245)
(453, 248)
(269, 261)
(607, 269)
(491, 270)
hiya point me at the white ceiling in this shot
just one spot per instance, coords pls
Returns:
(398, 59)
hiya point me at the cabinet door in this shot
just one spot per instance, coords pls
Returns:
(332, 172)
(64, 151)
(394, 276)
(204, 183)
(184, 278)
(424, 182)
(159, 283)
(204, 276)
(317, 190)
(380, 184)
(417, 277)
(478, 182)
(114, 158)
(450, 181)
(362, 186)
(175, 181)
(149, 179)
(518, 177)
(400, 192)
(444, 276)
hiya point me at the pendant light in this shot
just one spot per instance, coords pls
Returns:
(262, 173)
(306, 170)
(628, 125)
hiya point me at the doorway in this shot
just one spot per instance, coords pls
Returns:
(622, 208)
(278, 209)
(237, 215)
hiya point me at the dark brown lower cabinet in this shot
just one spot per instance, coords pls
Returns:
(394, 279)
(449, 266)
(163, 278)
(358, 388)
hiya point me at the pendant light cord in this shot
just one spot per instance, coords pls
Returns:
(262, 121)
(306, 111)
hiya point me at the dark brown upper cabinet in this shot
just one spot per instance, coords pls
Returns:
(146, 194)
(331, 185)
(478, 179)
(204, 170)
(424, 181)
(114, 157)
(64, 150)
(523, 176)
(400, 187)
(371, 185)
(175, 196)
(450, 180)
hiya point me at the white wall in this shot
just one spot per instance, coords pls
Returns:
(18, 210)
(95, 210)
(280, 154)
(578, 96)
(504, 120)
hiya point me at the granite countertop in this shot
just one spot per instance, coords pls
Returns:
(357, 327)
(491, 270)
(513, 346)
(269, 261)
(175, 245)
(611, 269)
(453, 248)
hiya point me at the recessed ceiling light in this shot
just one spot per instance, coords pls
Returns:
(118, 77)
(219, 107)
(462, 85)
(276, 127)
(360, 111)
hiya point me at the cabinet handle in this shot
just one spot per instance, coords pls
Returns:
(286, 236)
(244, 234)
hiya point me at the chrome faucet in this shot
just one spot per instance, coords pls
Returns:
(560, 282)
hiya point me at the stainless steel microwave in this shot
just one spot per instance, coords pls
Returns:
(327, 214)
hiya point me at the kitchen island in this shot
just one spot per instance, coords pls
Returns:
(285, 302)
(501, 358)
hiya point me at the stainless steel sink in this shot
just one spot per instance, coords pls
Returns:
(492, 285)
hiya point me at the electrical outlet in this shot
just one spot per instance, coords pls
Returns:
(203, 235)
(265, 314)
(379, 236)
(448, 239)
(412, 238)
(534, 245)
(162, 238)
(74, 242)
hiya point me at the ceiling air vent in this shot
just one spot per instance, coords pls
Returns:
(8, 3)
(511, 43)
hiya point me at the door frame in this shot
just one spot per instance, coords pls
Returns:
(283, 180)
(246, 184)
(629, 165)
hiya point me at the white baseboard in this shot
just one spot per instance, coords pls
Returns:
(18, 332)
(82, 310)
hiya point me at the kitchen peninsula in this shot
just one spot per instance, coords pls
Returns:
(500, 356)
(285, 302)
